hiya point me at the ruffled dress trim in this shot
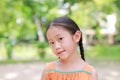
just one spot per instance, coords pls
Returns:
(70, 72)
(52, 74)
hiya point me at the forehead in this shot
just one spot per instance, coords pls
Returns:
(56, 31)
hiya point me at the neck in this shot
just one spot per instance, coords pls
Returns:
(74, 58)
(74, 62)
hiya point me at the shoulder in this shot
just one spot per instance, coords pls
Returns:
(94, 74)
(91, 69)
(50, 65)
(88, 67)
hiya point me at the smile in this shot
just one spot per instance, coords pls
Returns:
(61, 52)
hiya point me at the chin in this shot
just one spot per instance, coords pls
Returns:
(63, 57)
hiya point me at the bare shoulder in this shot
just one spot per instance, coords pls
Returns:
(94, 74)
(48, 66)
(93, 70)
(43, 75)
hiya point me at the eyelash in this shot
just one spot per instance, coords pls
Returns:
(58, 39)
(51, 43)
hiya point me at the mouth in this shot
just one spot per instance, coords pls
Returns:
(61, 52)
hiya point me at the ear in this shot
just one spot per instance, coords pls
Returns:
(77, 36)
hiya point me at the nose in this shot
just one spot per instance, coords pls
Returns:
(57, 46)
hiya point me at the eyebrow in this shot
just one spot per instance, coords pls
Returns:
(55, 36)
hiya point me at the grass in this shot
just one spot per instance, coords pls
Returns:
(23, 53)
(17, 61)
(29, 53)
(104, 52)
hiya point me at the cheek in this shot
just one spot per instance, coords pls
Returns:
(53, 50)
(68, 44)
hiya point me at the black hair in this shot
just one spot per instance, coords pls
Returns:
(69, 25)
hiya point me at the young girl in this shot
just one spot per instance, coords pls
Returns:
(64, 37)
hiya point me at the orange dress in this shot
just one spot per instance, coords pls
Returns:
(52, 74)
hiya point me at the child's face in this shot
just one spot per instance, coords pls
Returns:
(63, 43)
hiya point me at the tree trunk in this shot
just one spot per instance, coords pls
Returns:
(39, 29)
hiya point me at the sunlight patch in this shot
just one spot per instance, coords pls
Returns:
(11, 75)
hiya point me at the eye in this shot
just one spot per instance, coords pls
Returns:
(61, 38)
(51, 43)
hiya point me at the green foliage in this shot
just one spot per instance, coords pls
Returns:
(104, 52)
(9, 48)
(42, 44)
(107, 6)
(16, 22)
(17, 61)
(41, 49)
(18, 14)
(84, 14)
(117, 38)
(16, 19)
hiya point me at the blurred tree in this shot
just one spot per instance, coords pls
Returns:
(34, 7)
(14, 24)
(117, 3)
(25, 20)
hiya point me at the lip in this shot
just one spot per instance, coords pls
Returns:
(60, 52)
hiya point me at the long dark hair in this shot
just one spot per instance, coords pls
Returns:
(71, 26)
